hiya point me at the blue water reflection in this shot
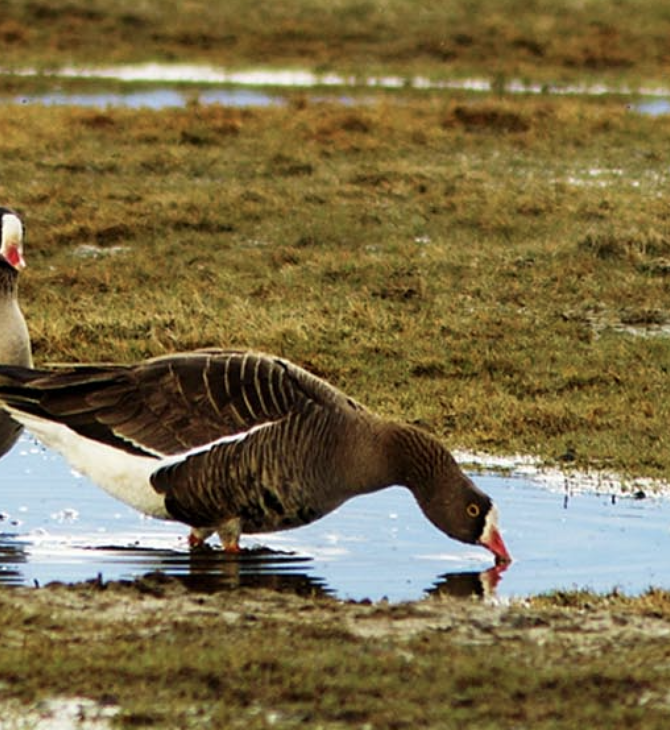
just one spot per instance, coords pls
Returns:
(163, 97)
(55, 525)
(654, 108)
(154, 98)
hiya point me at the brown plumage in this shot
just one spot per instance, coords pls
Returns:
(14, 339)
(237, 442)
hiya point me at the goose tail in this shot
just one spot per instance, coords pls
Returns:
(15, 384)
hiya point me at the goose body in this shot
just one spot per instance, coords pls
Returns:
(14, 339)
(238, 442)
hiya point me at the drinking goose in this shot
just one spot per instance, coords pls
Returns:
(238, 442)
(14, 339)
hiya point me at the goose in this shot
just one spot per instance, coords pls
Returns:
(14, 339)
(233, 442)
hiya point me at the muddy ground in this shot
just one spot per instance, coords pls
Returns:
(152, 654)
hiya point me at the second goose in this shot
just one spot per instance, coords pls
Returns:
(14, 339)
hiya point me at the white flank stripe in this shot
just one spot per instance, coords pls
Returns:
(231, 439)
(123, 475)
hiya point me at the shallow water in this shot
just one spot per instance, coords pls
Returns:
(163, 97)
(194, 73)
(154, 98)
(654, 107)
(176, 85)
(56, 525)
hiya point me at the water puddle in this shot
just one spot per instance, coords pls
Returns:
(55, 525)
(654, 108)
(303, 78)
(149, 98)
(176, 85)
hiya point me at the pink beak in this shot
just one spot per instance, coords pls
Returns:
(495, 544)
(15, 258)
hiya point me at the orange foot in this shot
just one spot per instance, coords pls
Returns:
(196, 542)
(232, 548)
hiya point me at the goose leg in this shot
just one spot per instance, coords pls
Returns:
(229, 533)
(198, 536)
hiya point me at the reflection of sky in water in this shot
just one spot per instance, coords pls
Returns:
(235, 87)
(158, 98)
(654, 108)
(374, 546)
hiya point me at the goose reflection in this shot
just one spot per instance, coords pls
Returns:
(469, 584)
(211, 571)
(12, 554)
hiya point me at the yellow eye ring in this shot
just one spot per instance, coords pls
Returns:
(473, 510)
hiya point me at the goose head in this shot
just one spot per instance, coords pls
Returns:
(11, 238)
(447, 496)
(465, 513)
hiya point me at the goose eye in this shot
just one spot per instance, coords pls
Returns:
(473, 510)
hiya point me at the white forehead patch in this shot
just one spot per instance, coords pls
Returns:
(490, 523)
(12, 231)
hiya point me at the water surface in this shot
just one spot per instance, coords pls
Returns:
(56, 525)
(158, 97)
(163, 97)
(161, 85)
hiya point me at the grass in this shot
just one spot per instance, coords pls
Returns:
(624, 42)
(467, 264)
(166, 658)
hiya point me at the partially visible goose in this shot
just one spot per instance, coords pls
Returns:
(14, 339)
(239, 442)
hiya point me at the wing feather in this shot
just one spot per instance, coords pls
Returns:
(168, 405)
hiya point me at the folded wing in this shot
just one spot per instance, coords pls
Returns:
(168, 405)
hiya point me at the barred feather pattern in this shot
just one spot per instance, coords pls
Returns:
(279, 476)
(170, 405)
(236, 441)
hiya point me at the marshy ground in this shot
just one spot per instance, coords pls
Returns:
(495, 269)
(152, 654)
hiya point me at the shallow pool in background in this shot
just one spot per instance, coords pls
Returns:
(58, 526)
(165, 85)
(164, 97)
(158, 97)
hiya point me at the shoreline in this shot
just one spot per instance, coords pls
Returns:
(303, 78)
(568, 481)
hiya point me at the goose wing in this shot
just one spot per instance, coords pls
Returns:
(167, 405)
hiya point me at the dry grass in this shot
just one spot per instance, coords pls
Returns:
(157, 656)
(457, 262)
(539, 40)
